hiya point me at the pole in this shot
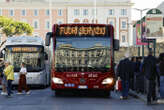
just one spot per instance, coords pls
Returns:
(138, 50)
(95, 11)
(141, 32)
(141, 10)
(154, 41)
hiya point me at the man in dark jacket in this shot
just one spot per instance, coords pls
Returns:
(150, 70)
(125, 71)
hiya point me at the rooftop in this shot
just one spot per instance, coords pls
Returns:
(64, 3)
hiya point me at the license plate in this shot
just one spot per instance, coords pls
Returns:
(82, 87)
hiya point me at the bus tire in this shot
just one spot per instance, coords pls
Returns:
(58, 92)
(107, 94)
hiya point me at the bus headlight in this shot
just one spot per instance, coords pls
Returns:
(107, 81)
(57, 80)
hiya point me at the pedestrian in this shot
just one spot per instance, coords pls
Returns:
(124, 72)
(140, 76)
(3, 78)
(161, 70)
(149, 68)
(22, 80)
(9, 73)
(133, 59)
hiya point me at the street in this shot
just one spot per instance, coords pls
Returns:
(44, 99)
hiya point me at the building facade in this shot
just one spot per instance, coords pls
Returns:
(41, 14)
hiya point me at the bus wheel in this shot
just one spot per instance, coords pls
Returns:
(107, 94)
(58, 92)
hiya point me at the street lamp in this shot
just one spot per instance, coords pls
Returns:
(141, 12)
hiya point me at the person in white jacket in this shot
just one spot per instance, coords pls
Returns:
(22, 80)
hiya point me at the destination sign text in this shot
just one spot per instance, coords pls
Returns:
(82, 31)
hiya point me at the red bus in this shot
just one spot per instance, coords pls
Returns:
(82, 57)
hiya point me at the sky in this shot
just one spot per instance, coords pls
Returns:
(143, 4)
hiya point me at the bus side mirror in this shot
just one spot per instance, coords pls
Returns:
(46, 56)
(48, 37)
(116, 44)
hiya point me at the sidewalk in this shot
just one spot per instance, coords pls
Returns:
(143, 97)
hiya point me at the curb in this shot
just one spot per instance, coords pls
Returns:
(137, 95)
(143, 97)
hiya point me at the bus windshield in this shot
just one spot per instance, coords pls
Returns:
(82, 54)
(34, 60)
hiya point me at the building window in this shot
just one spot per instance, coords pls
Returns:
(111, 23)
(123, 11)
(36, 24)
(123, 38)
(47, 25)
(85, 12)
(0, 12)
(111, 11)
(23, 12)
(123, 25)
(60, 12)
(47, 12)
(11, 12)
(60, 21)
(35, 12)
(94, 12)
(76, 12)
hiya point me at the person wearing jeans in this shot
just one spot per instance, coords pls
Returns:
(9, 73)
(125, 71)
(125, 88)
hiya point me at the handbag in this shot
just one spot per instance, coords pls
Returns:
(118, 85)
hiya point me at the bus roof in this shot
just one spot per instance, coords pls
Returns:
(24, 40)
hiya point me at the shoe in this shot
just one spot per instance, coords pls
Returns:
(12, 92)
(125, 98)
(148, 103)
(154, 102)
(28, 92)
(121, 97)
(8, 96)
(19, 93)
(3, 93)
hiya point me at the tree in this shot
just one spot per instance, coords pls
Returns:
(9, 27)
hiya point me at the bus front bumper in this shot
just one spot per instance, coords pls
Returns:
(106, 84)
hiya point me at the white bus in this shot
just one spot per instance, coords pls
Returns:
(31, 51)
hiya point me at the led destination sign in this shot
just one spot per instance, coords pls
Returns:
(82, 31)
(25, 49)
